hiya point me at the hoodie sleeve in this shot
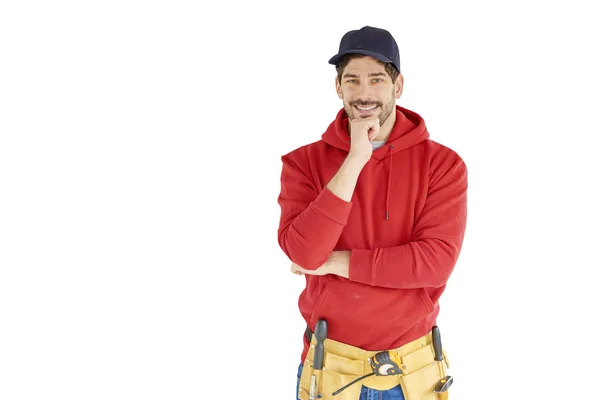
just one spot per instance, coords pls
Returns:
(311, 221)
(429, 259)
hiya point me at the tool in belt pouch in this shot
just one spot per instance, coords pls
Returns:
(418, 366)
(447, 380)
(312, 370)
(319, 353)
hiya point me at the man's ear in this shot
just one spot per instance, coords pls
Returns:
(399, 86)
(338, 87)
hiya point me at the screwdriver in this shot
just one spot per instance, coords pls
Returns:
(320, 336)
(447, 380)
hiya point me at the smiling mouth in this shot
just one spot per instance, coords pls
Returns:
(366, 108)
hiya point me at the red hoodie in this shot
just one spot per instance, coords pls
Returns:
(404, 225)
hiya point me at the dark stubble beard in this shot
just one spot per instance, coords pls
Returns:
(386, 109)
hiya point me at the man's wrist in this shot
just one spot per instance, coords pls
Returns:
(343, 263)
(357, 161)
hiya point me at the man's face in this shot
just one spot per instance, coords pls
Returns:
(367, 91)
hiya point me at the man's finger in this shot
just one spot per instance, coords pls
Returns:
(374, 123)
(296, 269)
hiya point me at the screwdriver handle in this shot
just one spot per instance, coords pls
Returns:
(320, 336)
(436, 340)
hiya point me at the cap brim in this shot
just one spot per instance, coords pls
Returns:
(335, 59)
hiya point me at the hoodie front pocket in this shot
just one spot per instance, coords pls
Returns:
(315, 315)
(356, 313)
(426, 299)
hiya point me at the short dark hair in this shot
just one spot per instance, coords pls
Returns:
(389, 67)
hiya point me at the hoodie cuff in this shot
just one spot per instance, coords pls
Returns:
(361, 266)
(332, 206)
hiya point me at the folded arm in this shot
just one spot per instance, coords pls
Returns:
(429, 258)
(311, 223)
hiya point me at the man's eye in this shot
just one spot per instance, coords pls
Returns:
(377, 80)
(352, 81)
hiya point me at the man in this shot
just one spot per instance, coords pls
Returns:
(373, 215)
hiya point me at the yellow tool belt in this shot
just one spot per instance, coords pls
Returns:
(343, 364)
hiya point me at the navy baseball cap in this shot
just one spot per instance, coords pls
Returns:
(369, 41)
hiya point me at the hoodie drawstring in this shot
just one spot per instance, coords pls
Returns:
(389, 186)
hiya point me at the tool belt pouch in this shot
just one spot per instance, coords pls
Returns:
(328, 380)
(306, 380)
(421, 374)
(418, 383)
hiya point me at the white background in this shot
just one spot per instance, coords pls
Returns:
(140, 147)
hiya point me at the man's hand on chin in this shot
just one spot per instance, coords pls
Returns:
(338, 263)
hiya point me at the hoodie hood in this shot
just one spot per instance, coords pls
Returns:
(409, 130)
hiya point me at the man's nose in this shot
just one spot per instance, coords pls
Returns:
(364, 91)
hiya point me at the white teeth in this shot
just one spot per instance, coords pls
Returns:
(366, 108)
